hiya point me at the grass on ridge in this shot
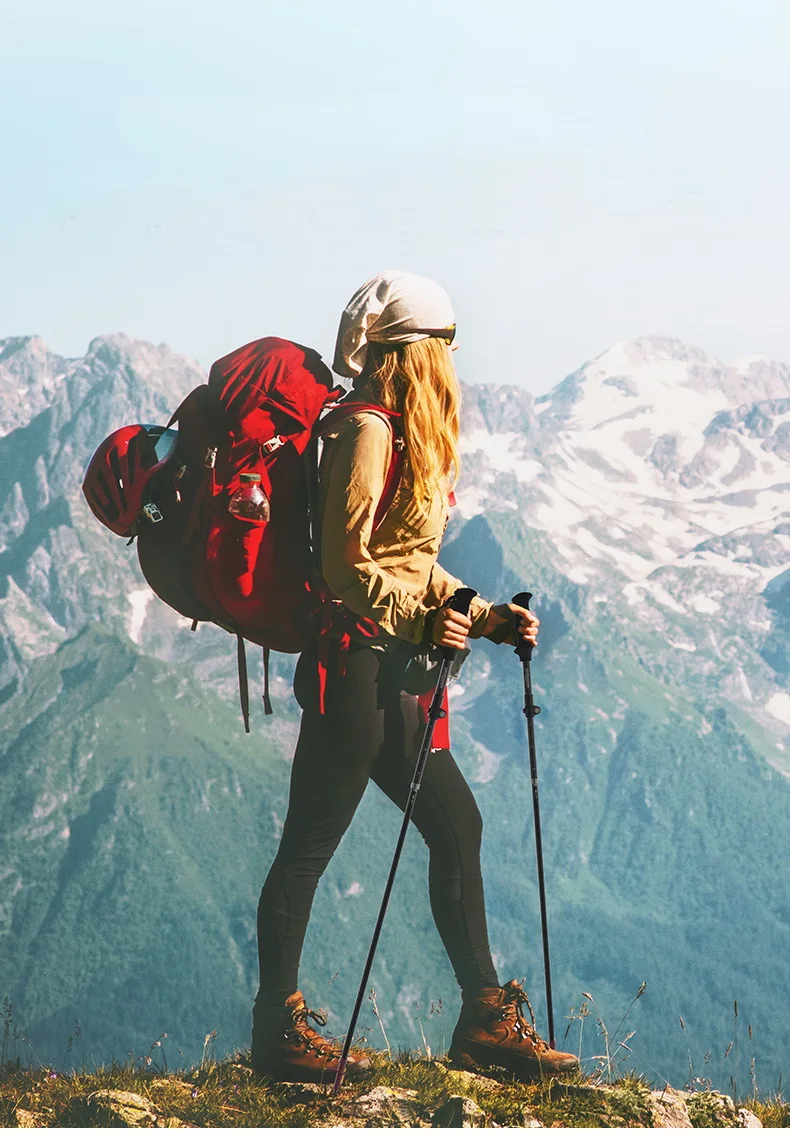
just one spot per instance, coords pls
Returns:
(227, 1095)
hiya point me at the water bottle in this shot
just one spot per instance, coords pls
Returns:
(249, 502)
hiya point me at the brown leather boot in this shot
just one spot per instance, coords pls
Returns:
(492, 1031)
(286, 1048)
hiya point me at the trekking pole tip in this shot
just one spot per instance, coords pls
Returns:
(341, 1069)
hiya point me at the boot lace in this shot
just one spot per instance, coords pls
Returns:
(302, 1033)
(512, 1013)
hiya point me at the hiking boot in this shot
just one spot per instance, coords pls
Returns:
(286, 1048)
(492, 1031)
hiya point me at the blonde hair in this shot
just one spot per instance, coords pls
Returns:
(419, 380)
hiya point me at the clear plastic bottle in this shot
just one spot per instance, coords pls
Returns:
(249, 502)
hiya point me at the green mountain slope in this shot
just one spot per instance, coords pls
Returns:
(121, 788)
(139, 821)
(138, 824)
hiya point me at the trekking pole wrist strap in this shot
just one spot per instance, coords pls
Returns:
(427, 635)
(504, 633)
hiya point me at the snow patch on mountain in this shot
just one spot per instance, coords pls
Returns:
(779, 707)
(704, 604)
(504, 452)
(139, 599)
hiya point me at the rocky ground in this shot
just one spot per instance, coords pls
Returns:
(410, 1093)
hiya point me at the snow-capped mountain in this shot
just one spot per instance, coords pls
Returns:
(661, 480)
(641, 455)
(657, 479)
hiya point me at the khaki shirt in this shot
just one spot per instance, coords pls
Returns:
(389, 575)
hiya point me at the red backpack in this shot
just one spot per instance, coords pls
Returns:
(257, 414)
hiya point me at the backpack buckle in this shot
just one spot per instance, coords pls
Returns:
(177, 483)
(273, 444)
(152, 512)
(210, 460)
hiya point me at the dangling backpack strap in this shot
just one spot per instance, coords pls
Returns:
(267, 703)
(244, 688)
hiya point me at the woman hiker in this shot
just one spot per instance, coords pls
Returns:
(387, 592)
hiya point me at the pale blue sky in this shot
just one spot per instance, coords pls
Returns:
(573, 173)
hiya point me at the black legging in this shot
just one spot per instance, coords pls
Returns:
(370, 729)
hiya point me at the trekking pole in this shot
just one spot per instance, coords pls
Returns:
(459, 602)
(524, 652)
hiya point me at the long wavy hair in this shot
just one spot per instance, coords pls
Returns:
(419, 380)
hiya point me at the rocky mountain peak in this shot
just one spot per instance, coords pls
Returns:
(136, 371)
(144, 359)
(763, 378)
(29, 374)
(652, 349)
(23, 347)
(658, 372)
(497, 408)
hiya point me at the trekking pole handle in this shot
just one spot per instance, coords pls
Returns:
(460, 601)
(523, 649)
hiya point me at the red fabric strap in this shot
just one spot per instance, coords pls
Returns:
(391, 482)
(336, 623)
(441, 732)
(343, 410)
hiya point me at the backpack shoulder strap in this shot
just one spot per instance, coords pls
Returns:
(343, 411)
(392, 480)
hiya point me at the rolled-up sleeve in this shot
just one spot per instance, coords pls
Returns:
(353, 483)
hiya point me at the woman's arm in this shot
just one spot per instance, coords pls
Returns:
(355, 478)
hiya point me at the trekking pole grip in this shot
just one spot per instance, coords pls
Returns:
(523, 649)
(460, 601)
